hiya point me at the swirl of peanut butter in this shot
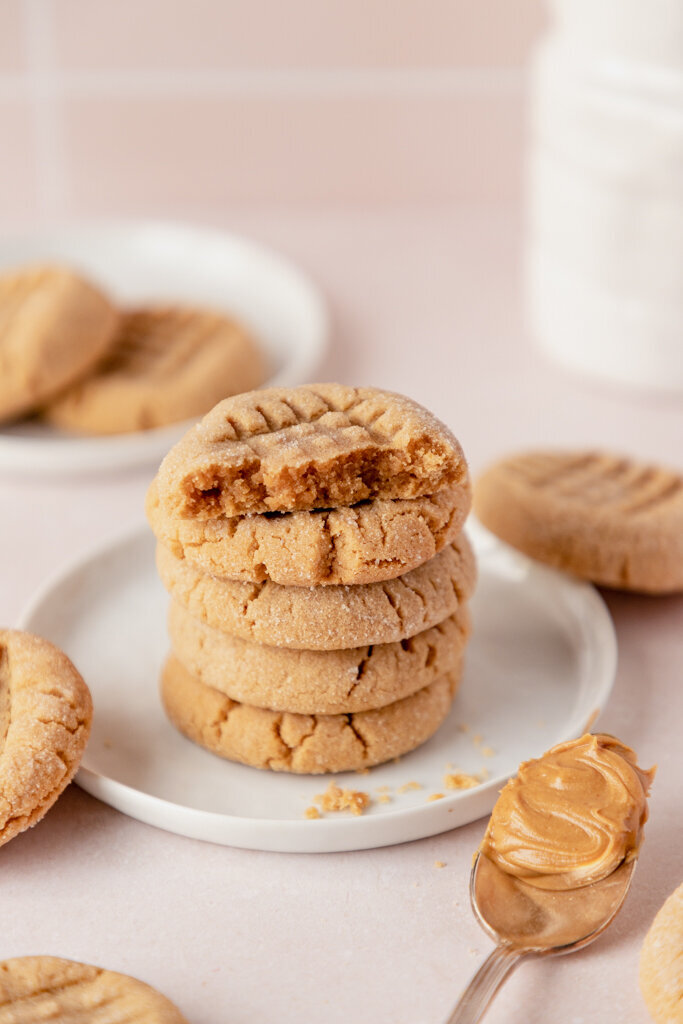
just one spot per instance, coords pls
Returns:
(572, 816)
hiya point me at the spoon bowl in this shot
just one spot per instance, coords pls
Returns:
(515, 913)
(524, 920)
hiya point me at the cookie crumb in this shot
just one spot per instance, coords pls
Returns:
(439, 863)
(311, 812)
(382, 789)
(477, 738)
(336, 799)
(463, 727)
(434, 796)
(460, 780)
(384, 798)
(407, 786)
(488, 752)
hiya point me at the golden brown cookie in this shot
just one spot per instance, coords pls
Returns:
(47, 988)
(45, 716)
(317, 446)
(309, 744)
(54, 326)
(607, 519)
(166, 364)
(661, 963)
(326, 618)
(366, 543)
(317, 682)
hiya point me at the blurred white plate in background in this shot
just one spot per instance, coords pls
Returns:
(539, 668)
(143, 262)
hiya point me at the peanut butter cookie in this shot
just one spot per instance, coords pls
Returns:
(308, 744)
(45, 716)
(166, 364)
(46, 988)
(54, 326)
(317, 682)
(318, 446)
(661, 963)
(607, 519)
(326, 618)
(365, 543)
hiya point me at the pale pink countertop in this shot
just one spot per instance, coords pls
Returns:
(427, 302)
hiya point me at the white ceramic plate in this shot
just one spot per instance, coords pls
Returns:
(148, 262)
(540, 667)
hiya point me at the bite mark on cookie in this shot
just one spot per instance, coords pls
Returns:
(320, 446)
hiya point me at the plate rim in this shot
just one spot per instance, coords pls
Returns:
(20, 455)
(328, 835)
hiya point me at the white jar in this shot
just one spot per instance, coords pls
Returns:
(605, 243)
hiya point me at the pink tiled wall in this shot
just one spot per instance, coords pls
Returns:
(182, 105)
(18, 164)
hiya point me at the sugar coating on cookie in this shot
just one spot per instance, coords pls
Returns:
(317, 682)
(42, 988)
(326, 618)
(54, 327)
(165, 364)
(317, 446)
(364, 543)
(308, 744)
(45, 718)
(661, 962)
(605, 518)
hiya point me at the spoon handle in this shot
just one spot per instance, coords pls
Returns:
(477, 996)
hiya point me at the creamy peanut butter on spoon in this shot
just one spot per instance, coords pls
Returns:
(572, 816)
(557, 859)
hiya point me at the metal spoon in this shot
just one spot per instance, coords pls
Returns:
(527, 921)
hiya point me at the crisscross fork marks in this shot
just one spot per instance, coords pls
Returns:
(613, 481)
(668, 489)
(322, 446)
(33, 997)
(159, 340)
(282, 414)
(589, 477)
(544, 469)
(67, 992)
(601, 480)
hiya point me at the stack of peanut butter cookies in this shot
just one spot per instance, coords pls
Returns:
(311, 541)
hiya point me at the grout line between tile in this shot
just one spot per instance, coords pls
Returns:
(46, 106)
(339, 82)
